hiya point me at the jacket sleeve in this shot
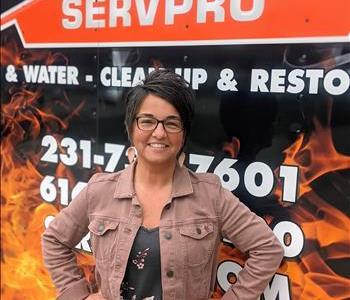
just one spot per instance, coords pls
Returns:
(58, 242)
(250, 234)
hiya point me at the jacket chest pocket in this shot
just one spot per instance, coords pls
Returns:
(104, 234)
(199, 242)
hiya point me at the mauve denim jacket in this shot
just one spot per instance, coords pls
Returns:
(199, 213)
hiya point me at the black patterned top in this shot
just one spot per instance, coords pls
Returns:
(142, 279)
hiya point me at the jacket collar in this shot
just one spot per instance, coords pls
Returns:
(125, 185)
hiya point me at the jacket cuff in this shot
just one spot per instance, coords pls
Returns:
(78, 291)
(229, 295)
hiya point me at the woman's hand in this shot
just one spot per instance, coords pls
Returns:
(96, 296)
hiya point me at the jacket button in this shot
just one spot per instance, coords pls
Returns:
(168, 235)
(101, 227)
(170, 273)
(199, 231)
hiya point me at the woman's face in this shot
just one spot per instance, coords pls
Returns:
(157, 146)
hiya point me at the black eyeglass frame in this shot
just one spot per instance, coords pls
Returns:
(159, 121)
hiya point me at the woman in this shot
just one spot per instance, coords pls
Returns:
(155, 226)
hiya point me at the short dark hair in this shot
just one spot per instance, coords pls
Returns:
(167, 85)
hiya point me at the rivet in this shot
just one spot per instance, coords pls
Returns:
(101, 227)
(168, 235)
(170, 273)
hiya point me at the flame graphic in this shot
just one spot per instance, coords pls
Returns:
(24, 120)
(315, 154)
(325, 226)
(23, 212)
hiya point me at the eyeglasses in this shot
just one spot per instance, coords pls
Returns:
(170, 125)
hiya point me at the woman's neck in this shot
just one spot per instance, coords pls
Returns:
(153, 175)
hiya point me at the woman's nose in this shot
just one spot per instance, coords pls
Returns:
(159, 131)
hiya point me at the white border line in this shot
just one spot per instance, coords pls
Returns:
(8, 24)
(14, 8)
(297, 40)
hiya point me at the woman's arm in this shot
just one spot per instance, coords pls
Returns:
(58, 242)
(249, 233)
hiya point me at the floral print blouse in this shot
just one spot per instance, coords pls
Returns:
(142, 279)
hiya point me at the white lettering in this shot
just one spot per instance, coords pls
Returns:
(43, 75)
(277, 80)
(114, 76)
(75, 14)
(171, 10)
(48, 220)
(146, 17)
(119, 12)
(61, 75)
(267, 179)
(91, 11)
(84, 243)
(291, 238)
(110, 13)
(52, 71)
(335, 82)
(339, 75)
(278, 289)
(126, 77)
(314, 75)
(51, 74)
(224, 269)
(297, 84)
(105, 76)
(138, 76)
(185, 73)
(258, 81)
(203, 6)
(250, 15)
(199, 76)
(195, 76)
(122, 77)
(72, 75)
(30, 73)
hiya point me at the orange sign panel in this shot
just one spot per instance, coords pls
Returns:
(177, 22)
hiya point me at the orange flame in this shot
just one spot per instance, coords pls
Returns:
(23, 275)
(326, 227)
(315, 155)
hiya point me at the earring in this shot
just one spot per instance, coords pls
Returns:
(131, 153)
(181, 158)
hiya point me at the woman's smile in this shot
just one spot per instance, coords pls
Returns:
(157, 145)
